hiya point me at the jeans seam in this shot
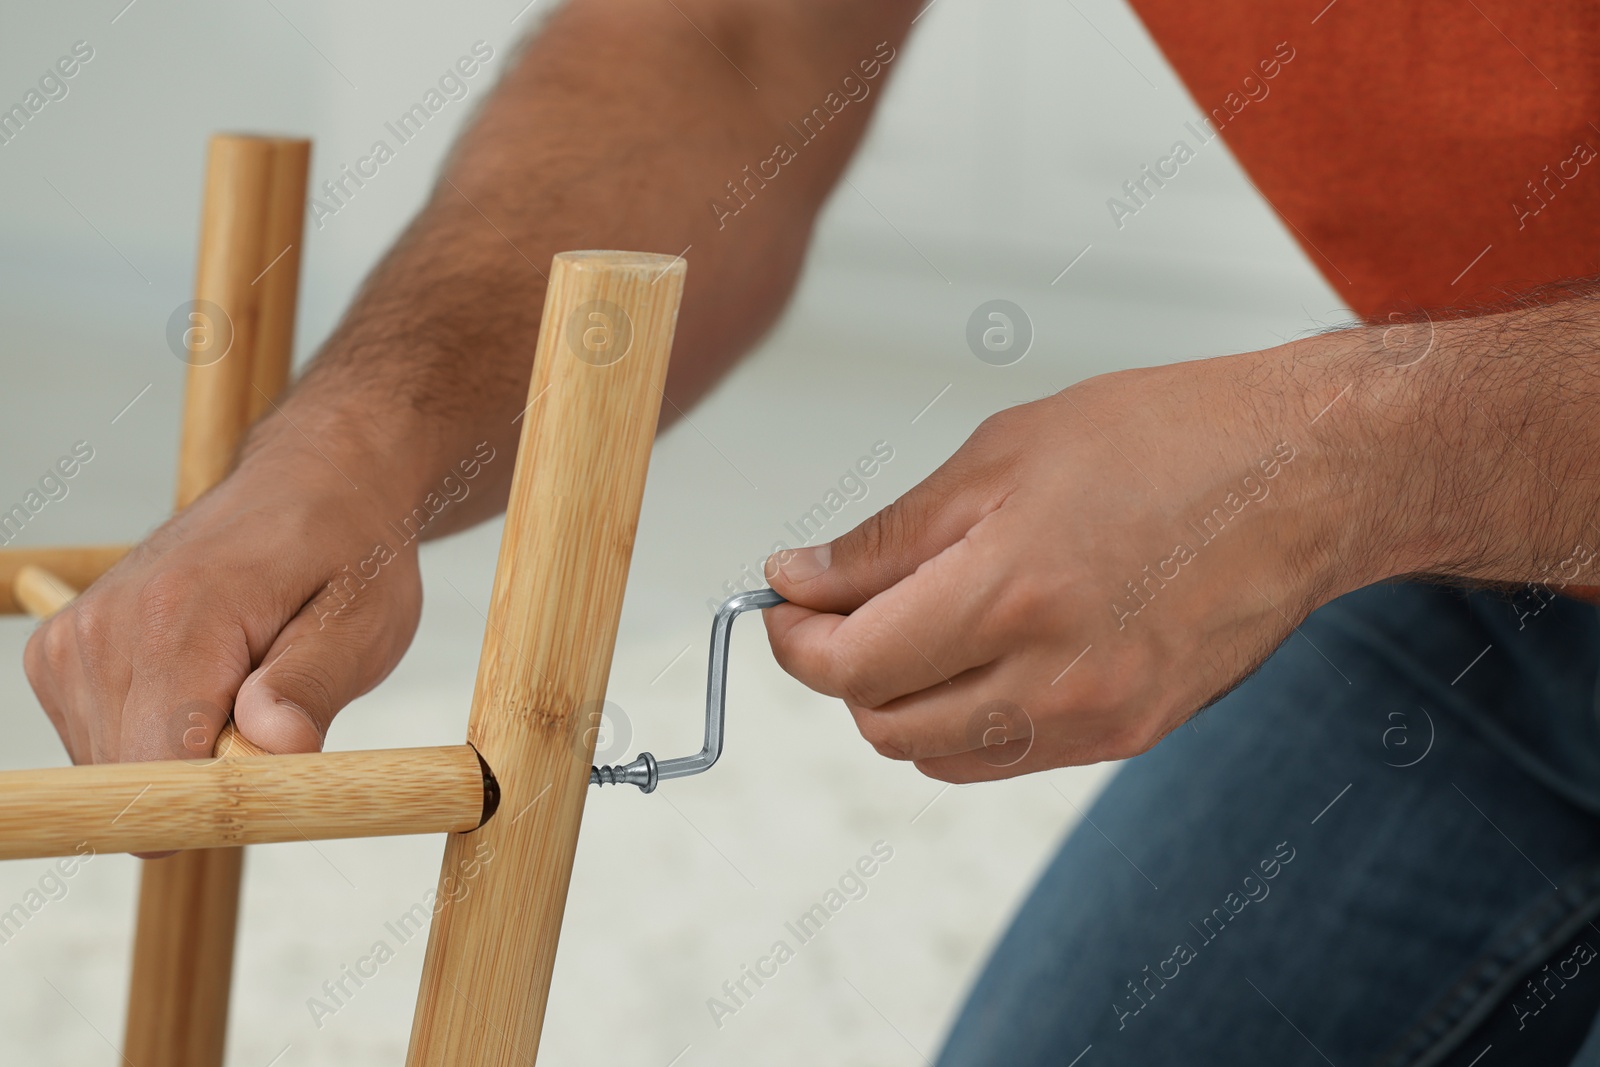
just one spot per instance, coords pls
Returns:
(1486, 981)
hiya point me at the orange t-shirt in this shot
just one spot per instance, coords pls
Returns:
(1426, 155)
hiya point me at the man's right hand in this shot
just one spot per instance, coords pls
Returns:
(269, 597)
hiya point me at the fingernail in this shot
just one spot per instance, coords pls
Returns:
(804, 564)
(289, 728)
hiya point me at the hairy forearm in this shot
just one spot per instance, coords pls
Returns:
(619, 127)
(1466, 448)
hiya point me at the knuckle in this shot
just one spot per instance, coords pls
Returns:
(36, 657)
(842, 676)
(1021, 606)
(995, 425)
(164, 602)
(44, 669)
(49, 652)
(857, 686)
(879, 533)
(883, 737)
(885, 541)
(83, 642)
(997, 435)
(890, 749)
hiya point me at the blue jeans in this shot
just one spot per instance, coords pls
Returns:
(1382, 849)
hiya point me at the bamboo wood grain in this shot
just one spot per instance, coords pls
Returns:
(246, 800)
(569, 531)
(76, 567)
(250, 235)
(290, 160)
(177, 1011)
(230, 742)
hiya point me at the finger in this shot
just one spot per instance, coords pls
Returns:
(192, 639)
(991, 763)
(924, 631)
(44, 660)
(992, 707)
(889, 545)
(81, 673)
(1016, 730)
(182, 687)
(328, 654)
(941, 720)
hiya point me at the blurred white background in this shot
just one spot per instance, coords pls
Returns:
(1006, 126)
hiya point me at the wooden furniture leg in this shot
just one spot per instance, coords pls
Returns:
(598, 372)
(240, 342)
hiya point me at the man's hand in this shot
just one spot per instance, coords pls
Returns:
(269, 597)
(1088, 570)
(1091, 569)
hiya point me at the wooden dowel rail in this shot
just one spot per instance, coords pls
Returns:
(244, 800)
(76, 566)
(40, 592)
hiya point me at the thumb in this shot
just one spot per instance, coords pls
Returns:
(333, 651)
(845, 573)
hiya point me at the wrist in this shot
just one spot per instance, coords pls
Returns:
(1490, 438)
(387, 463)
(339, 448)
(320, 455)
(1430, 429)
(1352, 399)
